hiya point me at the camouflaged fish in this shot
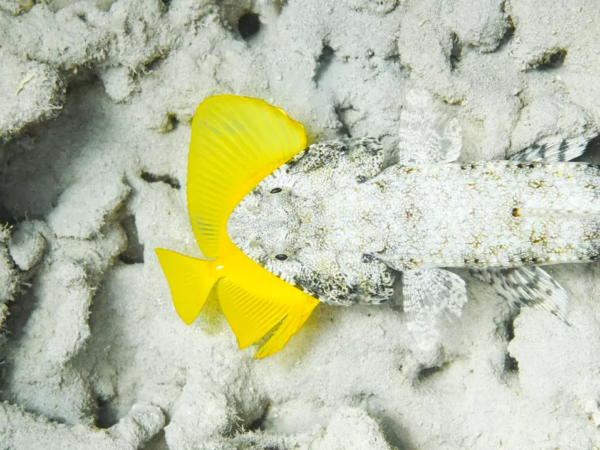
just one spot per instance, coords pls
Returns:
(285, 227)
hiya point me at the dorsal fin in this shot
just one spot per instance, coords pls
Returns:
(236, 142)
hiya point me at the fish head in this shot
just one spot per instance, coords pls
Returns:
(265, 226)
(283, 225)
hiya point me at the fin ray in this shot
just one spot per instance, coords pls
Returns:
(249, 317)
(252, 317)
(529, 286)
(552, 149)
(428, 295)
(290, 325)
(428, 133)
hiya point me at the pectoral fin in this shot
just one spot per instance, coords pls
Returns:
(428, 133)
(430, 294)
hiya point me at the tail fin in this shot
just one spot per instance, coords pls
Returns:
(190, 280)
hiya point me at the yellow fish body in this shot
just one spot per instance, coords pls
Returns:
(236, 142)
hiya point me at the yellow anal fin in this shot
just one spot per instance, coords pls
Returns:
(190, 280)
(236, 142)
(249, 316)
(290, 326)
(252, 317)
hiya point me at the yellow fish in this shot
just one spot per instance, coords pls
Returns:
(338, 222)
(236, 142)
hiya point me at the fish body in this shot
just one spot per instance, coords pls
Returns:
(338, 223)
(334, 224)
(491, 214)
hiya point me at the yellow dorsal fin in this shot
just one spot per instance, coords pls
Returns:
(236, 142)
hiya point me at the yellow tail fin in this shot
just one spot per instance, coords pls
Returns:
(190, 280)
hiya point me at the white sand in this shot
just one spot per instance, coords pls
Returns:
(95, 104)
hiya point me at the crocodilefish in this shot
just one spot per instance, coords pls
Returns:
(284, 226)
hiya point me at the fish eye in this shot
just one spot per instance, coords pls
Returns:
(275, 190)
(281, 257)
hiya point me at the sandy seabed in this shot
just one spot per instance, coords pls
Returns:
(96, 98)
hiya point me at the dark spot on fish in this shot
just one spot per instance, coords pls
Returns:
(526, 165)
(562, 150)
(281, 257)
(516, 212)
(366, 258)
(275, 190)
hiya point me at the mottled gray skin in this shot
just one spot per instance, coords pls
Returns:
(346, 226)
